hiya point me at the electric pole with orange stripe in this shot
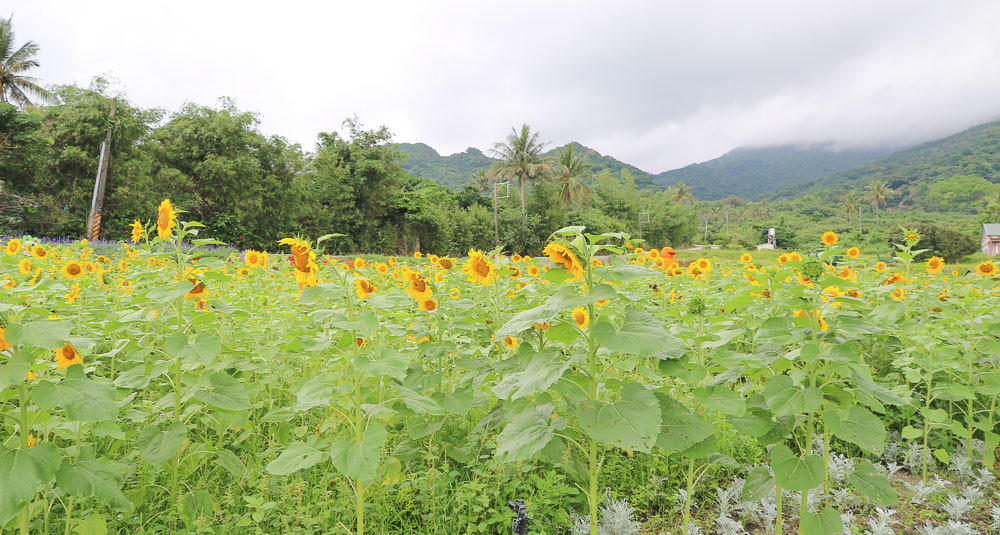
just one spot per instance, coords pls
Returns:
(97, 203)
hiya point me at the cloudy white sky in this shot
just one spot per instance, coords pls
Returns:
(656, 84)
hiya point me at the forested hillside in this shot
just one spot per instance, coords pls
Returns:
(913, 173)
(754, 173)
(457, 170)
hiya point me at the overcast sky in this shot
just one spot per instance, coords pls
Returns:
(656, 84)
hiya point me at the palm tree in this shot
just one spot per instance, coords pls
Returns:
(850, 205)
(569, 175)
(681, 192)
(520, 158)
(13, 65)
(878, 192)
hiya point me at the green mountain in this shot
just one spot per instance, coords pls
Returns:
(457, 170)
(914, 173)
(453, 171)
(752, 173)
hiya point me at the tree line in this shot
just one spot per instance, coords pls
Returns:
(251, 189)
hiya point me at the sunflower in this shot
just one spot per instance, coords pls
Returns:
(363, 287)
(581, 317)
(197, 291)
(653, 254)
(417, 254)
(510, 342)
(515, 272)
(830, 238)
(987, 268)
(560, 254)
(304, 259)
(479, 269)
(935, 264)
(746, 258)
(602, 302)
(898, 293)
(74, 293)
(418, 287)
(783, 257)
(794, 257)
(72, 270)
(428, 305)
(9, 282)
(137, 231)
(66, 356)
(455, 293)
(360, 342)
(515, 257)
(252, 258)
(4, 344)
(881, 266)
(382, 268)
(543, 326)
(359, 263)
(38, 252)
(24, 266)
(166, 219)
(533, 271)
(446, 263)
(853, 252)
(703, 265)
(13, 247)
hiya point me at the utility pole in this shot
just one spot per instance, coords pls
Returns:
(97, 202)
(496, 218)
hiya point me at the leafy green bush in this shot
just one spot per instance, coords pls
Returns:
(949, 244)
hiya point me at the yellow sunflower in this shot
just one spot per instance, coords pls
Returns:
(363, 287)
(39, 252)
(582, 317)
(24, 266)
(560, 254)
(359, 263)
(510, 342)
(853, 252)
(252, 258)
(166, 219)
(304, 260)
(746, 258)
(428, 305)
(72, 270)
(479, 268)
(137, 231)
(418, 287)
(74, 293)
(987, 268)
(66, 356)
(13, 247)
(935, 264)
(446, 263)
(4, 344)
(197, 291)
(382, 268)
(544, 326)
(830, 238)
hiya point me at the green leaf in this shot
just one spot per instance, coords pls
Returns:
(386, 361)
(910, 433)
(230, 462)
(681, 428)
(941, 455)
(872, 485)
(756, 422)
(794, 473)
(157, 447)
(356, 460)
(225, 393)
(721, 398)
(22, 473)
(566, 298)
(316, 392)
(92, 525)
(858, 426)
(82, 399)
(420, 403)
(202, 349)
(541, 372)
(526, 434)
(297, 456)
(640, 334)
(784, 398)
(46, 334)
(759, 484)
(632, 422)
(98, 478)
(826, 522)
(15, 370)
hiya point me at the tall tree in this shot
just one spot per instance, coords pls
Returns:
(13, 64)
(681, 192)
(877, 192)
(570, 173)
(521, 158)
(850, 205)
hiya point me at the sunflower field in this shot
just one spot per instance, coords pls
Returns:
(158, 389)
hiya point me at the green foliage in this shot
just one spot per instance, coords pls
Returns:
(939, 240)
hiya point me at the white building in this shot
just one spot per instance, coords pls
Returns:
(991, 239)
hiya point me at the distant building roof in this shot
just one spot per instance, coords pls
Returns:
(991, 229)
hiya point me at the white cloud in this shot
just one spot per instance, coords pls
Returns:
(658, 85)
